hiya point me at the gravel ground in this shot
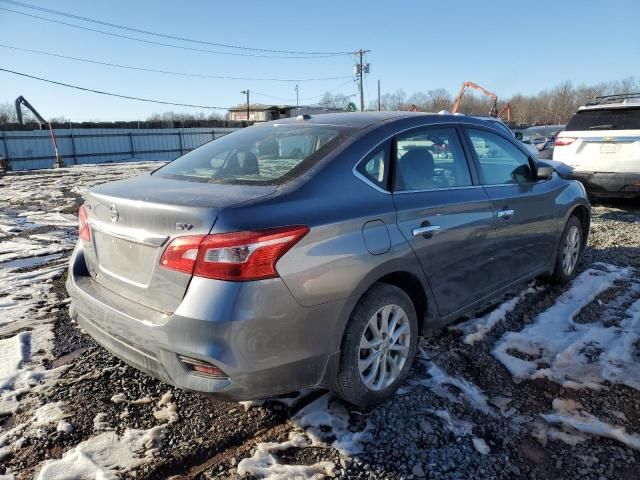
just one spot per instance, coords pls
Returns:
(424, 432)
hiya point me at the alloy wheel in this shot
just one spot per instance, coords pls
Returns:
(384, 347)
(571, 250)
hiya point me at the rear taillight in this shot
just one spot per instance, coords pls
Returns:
(83, 231)
(237, 256)
(182, 253)
(564, 141)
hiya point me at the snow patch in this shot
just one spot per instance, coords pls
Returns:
(480, 445)
(105, 456)
(475, 329)
(13, 351)
(48, 414)
(25, 330)
(327, 412)
(122, 398)
(64, 427)
(23, 248)
(168, 411)
(438, 378)
(568, 414)
(100, 422)
(264, 463)
(460, 428)
(579, 355)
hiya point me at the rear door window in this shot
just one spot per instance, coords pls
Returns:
(500, 161)
(430, 158)
(606, 119)
(267, 154)
(375, 166)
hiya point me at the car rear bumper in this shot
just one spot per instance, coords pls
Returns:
(610, 184)
(255, 332)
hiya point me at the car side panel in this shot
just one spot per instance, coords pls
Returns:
(525, 240)
(458, 259)
(333, 257)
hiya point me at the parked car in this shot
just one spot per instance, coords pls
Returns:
(312, 252)
(539, 134)
(542, 138)
(602, 144)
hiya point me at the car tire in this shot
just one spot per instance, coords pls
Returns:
(569, 250)
(387, 353)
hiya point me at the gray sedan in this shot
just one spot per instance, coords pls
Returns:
(313, 252)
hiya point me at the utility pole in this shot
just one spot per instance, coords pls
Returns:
(379, 95)
(297, 97)
(360, 70)
(247, 92)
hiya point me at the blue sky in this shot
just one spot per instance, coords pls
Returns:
(506, 46)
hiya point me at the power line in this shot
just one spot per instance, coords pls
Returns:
(168, 72)
(151, 42)
(129, 97)
(111, 94)
(171, 37)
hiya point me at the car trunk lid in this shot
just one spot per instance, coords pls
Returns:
(133, 220)
(601, 151)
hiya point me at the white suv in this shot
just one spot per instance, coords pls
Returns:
(602, 145)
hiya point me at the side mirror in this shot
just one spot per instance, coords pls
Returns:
(544, 171)
(519, 136)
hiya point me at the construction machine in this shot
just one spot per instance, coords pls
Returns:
(507, 110)
(494, 106)
(20, 102)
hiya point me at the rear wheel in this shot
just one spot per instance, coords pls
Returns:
(378, 347)
(569, 251)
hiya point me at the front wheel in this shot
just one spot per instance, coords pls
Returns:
(568, 252)
(378, 347)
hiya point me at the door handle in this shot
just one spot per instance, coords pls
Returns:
(505, 214)
(417, 232)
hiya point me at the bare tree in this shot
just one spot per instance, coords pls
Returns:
(7, 113)
(172, 116)
(339, 101)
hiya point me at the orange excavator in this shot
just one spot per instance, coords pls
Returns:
(507, 110)
(494, 106)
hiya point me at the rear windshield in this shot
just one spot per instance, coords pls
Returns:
(267, 154)
(606, 119)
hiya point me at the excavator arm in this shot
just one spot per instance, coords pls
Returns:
(20, 102)
(507, 110)
(465, 86)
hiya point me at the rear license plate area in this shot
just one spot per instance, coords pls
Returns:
(124, 260)
(608, 149)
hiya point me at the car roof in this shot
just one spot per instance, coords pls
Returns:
(488, 117)
(365, 119)
(346, 119)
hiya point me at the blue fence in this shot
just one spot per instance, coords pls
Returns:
(28, 150)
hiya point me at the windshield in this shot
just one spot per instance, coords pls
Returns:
(257, 155)
(606, 119)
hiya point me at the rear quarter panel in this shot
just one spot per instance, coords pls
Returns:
(332, 262)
